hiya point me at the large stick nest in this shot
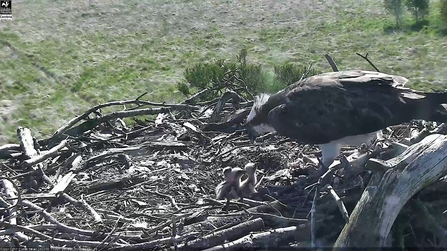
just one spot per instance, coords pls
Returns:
(96, 183)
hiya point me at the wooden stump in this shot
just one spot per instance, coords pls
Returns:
(406, 174)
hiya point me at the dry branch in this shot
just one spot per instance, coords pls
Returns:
(265, 240)
(339, 203)
(51, 153)
(369, 61)
(62, 183)
(225, 97)
(77, 119)
(229, 234)
(69, 243)
(8, 149)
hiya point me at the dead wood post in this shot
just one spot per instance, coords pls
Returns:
(419, 166)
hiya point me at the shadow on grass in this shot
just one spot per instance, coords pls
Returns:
(426, 26)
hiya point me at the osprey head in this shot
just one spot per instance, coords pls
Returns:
(257, 121)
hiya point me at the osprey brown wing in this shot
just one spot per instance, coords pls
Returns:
(331, 106)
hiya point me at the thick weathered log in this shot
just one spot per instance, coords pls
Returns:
(419, 166)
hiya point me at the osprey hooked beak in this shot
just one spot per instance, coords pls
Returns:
(252, 134)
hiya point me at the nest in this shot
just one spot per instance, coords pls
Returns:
(99, 184)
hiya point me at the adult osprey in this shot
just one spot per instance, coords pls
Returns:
(341, 108)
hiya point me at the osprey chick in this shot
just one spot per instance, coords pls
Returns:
(248, 185)
(229, 188)
(341, 108)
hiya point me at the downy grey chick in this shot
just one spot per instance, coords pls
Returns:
(229, 188)
(247, 187)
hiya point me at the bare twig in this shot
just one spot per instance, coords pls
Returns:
(306, 73)
(229, 234)
(122, 114)
(313, 224)
(157, 243)
(268, 239)
(340, 204)
(70, 243)
(367, 59)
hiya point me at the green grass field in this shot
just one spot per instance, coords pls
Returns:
(59, 58)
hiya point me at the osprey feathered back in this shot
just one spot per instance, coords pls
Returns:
(341, 108)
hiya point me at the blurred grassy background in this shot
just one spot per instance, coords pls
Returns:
(58, 58)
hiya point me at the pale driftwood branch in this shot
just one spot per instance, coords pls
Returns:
(77, 119)
(378, 165)
(11, 193)
(266, 240)
(270, 220)
(171, 198)
(82, 203)
(416, 136)
(51, 153)
(70, 243)
(156, 145)
(339, 202)
(117, 217)
(229, 234)
(196, 131)
(35, 196)
(63, 183)
(157, 243)
(60, 226)
(237, 118)
(27, 143)
(331, 62)
(10, 147)
(165, 224)
(91, 123)
(275, 220)
(191, 100)
(5, 150)
(225, 97)
(313, 223)
(90, 209)
(420, 165)
(51, 219)
(10, 190)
